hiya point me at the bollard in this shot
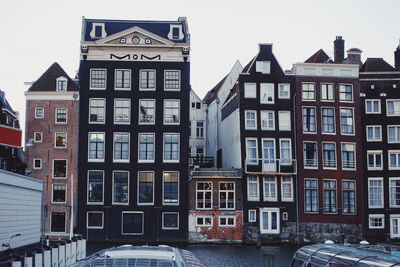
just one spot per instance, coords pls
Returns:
(54, 257)
(68, 254)
(38, 259)
(61, 255)
(16, 264)
(28, 261)
(83, 249)
(269, 260)
(73, 252)
(47, 257)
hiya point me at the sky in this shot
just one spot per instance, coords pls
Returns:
(35, 34)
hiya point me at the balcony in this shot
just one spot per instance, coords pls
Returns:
(271, 166)
(201, 161)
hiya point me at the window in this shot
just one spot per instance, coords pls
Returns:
(171, 111)
(328, 120)
(346, 121)
(171, 148)
(120, 187)
(252, 188)
(376, 221)
(309, 122)
(172, 80)
(393, 107)
(132, 223)
(199, 151)
(374, 159)
(348, 156)
(58, 222)
(394, 192)
(287, 188)
(267, 120)
(372, 106)
(269, 220)
(346, 92)
(95, 220)
(250, 90)
(268, 152)
(349, 197)
(330, 196)
(97, 79)
(329, 155)
(251, 119)
(122, 79)
(394, 159)
(170, 188)
(170, 220)
(122, 111)
(145, 188)
(252, 215)
(95, 187)
(196, 105)
(61, 84)
(37, 137)
(147, 111)
(227, 195)
(121, 147)
(60, 140)
(284, 120)
(97, 107)
(204, 221)
(267, 93)
(327, 92)
(393, 134)
(39, 113)
(59, 193)
(263, 67)
(251, 151)
(311, 195)
(60, 168)
(37, 164)
(200, 129)
(308, 91)
(147, 80)
(286, 152)
(285, 216)
(96, 146)
(270, 188)
(375, 192)
(310, 155)
(374, 133)
(327, 72)
(203, 195)
(394, 225)
(61, 115)
(227, 221)
(284, 90)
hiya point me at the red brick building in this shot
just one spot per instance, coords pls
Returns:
(51, 150)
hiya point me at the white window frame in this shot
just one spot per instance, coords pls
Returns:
(226, 217)
(336, 196)
(381, 196)
(355, 197)
(41, 137)
(51, 220)
(286, 199)
(66, 116)
(269, 90)
(285, 216)
(115, 111)
(170, 228)
(390, 193)
(256, 198)
(138, 188)
(61, 79)
(247, 120)
(250, 94)
(36, 110)
(323, 159)
(274, 184)
(154, 148)
(122, 222)
(112, 189)
(179, 112)
(315, 120)
(282, 162)
(317, 196)
(355, 156)
(352, 93)
(280, 119)
(115, 80)
(263, 67)
(154, 116)
(374, 152)
(140, 80)
(90, 79)
(397, 218)
(353, 118)
(255, 215)
(52, 194)
(322, 121)
(204, 191)
(104, 108)
(270, 231)
(104, 148)
(304, 155)
(333, 92)
(227, 192)
(397, 135)
(250, 160)
(94, 227)
(55, 140)
(179, 149)
(396, 113)
(266, 112)
(372, 106)
(302, 95)
(35, 168)
(179, 79)
(376, 216)
(270, 164)
(286, 89)
(397, 153)
(66, 170)
(203, 218)
(374, 139)
(87, 189)
(163, 190)
(129, 145)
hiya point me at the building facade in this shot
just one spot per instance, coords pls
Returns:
(329, 147)
(51, 132)
(198, 126)
(258, 134)
(134, 130)
(380, 109)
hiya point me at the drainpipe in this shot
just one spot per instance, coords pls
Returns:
(295, 154)
(74, 212)
(216, 155)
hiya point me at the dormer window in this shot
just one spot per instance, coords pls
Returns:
(61, 84)
(98, 30)
(175, 32)
(263, 67)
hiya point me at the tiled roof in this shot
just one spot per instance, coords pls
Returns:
(47, 82)
(319, 57)
(213, 93)
(376, 64)
(5, 103)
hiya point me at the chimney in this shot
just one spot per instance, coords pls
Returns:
(354, 56)
(265, 48)
(397, 57)
(338, 46)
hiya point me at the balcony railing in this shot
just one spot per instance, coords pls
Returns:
(271, 166)
(348, 164)
(202, 162)
(331, 163)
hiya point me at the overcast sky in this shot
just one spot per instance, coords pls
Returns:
(36, 33)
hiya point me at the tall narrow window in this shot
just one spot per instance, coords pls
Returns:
(146, 147)
(60, 168)
(58, 222)
(252, 188)
(309, 122)
(122, 111)
(267, 94)
(98, 79)
(286, 152)
(329, 155)
(284, 91)
(60, 140)
(284, 120)
(147, 80)
(59, 193)
(348, 156)
(171, 188)
(172, 80)
(250, 90)
(200, 129)
(287, 188)
(394, 159)
(327, 92)
(96, 146)
(270, 188)
(308, 91)
(330, 196)
(227, 195)
(375, 193)
(346, 93)
(346, 121)
(269, 159)
(122, 79)
(349, 197)
(251, 151)
(145, 188)
(61, 84)
(171, 111)
(394, 189)
(203, 195)
(97, 108)
(61, 115)
(95, 187)
(394, 226)
(121, 147)
(311, 195)
(171, 147)
(328, 120)
(250, 119)
(269, 220)
(267, 120)
(146, 111)
(121, 187)
(310, 155)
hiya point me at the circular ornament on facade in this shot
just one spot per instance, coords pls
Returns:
(135, 40)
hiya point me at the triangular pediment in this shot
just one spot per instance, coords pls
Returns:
(135, 36)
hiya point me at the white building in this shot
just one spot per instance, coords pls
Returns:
(197, 139)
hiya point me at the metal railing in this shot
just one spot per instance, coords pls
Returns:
(201, 161)
(271, 166)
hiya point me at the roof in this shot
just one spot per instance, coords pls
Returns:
(247, 67)
(161, 28)
(213, 93)
(232, 92)
(5, 103)
(47, 82)
(319, 57)
(376, 65)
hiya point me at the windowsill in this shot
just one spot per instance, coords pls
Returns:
(97, 122)
(60, 178)
(122, 123)
(122, 89)
(168, 229)
(147, 123)
(121, 203)
(171, 204)
(95, 203)
(102, 89)
(147, 89)
(61, 123)
(145, 161)
(120, 161)
(172, 90)
(95, 160)
(171, 123)
(171, 161)
(145, 204)
(94, 227)
(60, 147)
